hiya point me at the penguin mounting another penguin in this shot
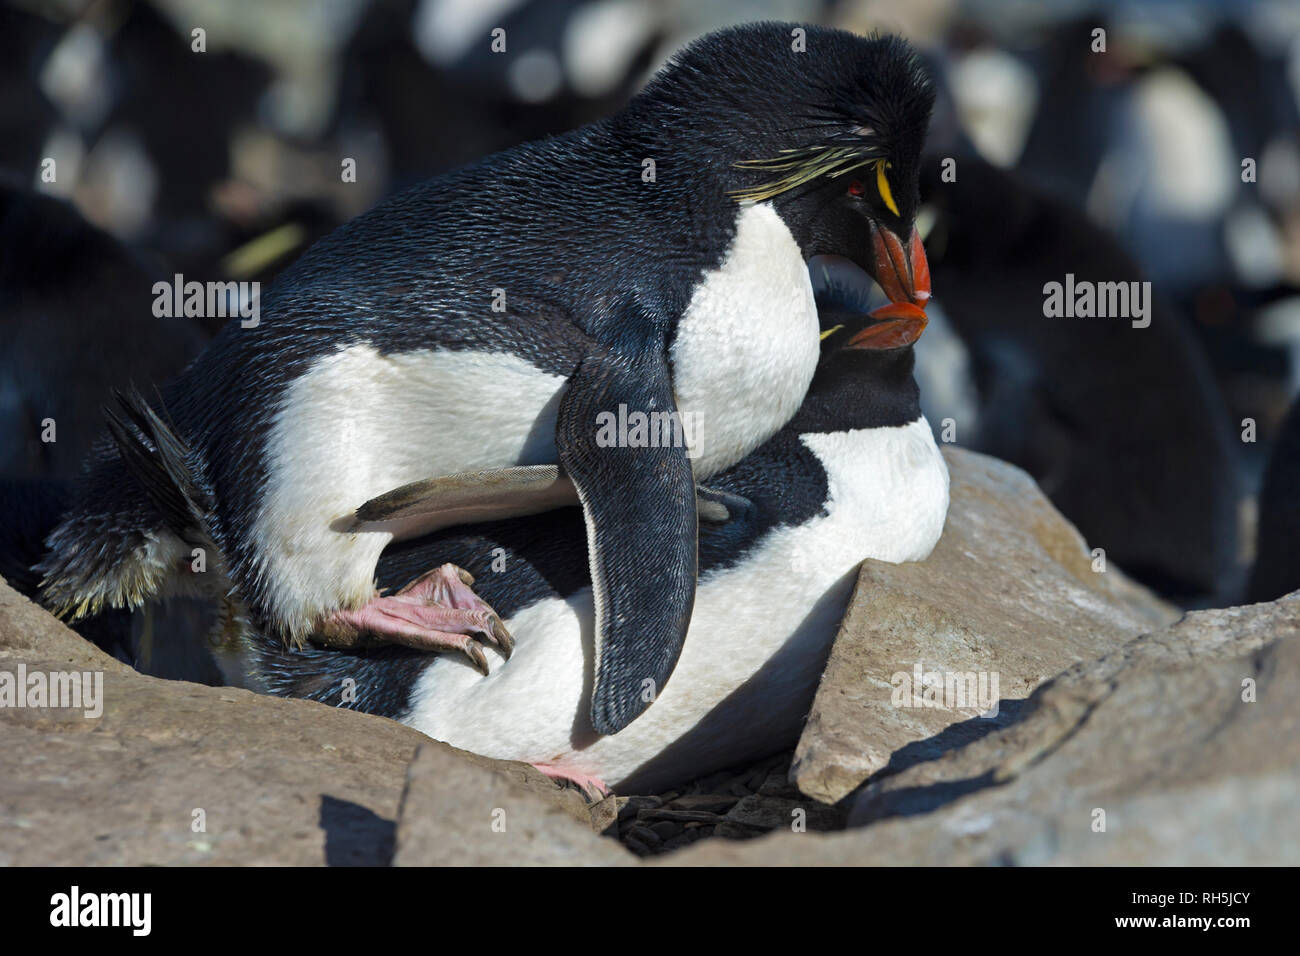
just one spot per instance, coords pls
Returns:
(654, 261)
(854, 474)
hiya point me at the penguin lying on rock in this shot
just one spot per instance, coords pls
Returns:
(653, 261)
(855, 474)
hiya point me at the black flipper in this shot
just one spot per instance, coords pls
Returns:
(639, 503)
(422, 507)
(718, 507)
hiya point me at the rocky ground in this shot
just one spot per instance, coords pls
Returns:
(1122, 735)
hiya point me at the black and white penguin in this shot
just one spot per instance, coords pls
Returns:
(654, 260)
(1076, 401)
(855, 474)
(70, 297)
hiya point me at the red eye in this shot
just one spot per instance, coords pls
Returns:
(856, 188)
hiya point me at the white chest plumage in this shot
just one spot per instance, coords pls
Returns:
(757, 643)
(747, 345)
(360, 423)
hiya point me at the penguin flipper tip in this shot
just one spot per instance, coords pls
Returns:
(488, 495)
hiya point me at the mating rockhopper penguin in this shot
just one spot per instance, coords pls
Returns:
(653, 261)
(855, 474)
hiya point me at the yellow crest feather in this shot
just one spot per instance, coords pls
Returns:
(882, 184)
(800, 166)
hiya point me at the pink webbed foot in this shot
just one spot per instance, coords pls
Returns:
(593, 787)
(438, 611)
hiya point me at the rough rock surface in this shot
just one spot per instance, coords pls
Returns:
(1156, 735)
(277, 781)
(1160, 741)
(454, 813)
(1009, 591)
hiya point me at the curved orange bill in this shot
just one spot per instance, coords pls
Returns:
(899, 324)
(903, 275)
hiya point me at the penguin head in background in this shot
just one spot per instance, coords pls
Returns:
(824, 125)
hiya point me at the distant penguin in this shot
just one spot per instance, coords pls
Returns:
(855, 474)
(419, 69)
(27, 114)
(1249, 82)
(652, 262)
(1124, 428)
(184, 110)
(1277, 553)
(75, 322)
(1081, 99)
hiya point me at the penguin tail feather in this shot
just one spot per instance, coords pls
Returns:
(159, 460)
(134, 514)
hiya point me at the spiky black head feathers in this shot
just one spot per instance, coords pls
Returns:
(793, 105)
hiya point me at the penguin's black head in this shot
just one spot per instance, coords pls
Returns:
(864, 376)
(824, 125)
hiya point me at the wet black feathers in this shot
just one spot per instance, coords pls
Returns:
(158, 460)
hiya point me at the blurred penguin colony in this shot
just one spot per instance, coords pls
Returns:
(1150, 144)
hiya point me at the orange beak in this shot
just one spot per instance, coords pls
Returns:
(898, 324)
(903, 275)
